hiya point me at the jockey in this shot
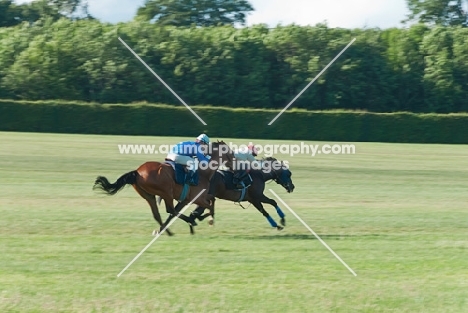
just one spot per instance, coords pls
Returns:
(245, 159)
(190, 153)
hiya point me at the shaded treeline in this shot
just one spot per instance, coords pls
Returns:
(418, 69)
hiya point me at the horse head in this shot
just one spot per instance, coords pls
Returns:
(220, 151)
(281, 172)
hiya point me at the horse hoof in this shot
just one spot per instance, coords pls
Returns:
(156, 232)
(283, 222)
(279, 227)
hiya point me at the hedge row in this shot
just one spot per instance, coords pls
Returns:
(164, 120)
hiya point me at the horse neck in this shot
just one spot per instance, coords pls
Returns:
(209, 172)
(221, 158)
(268, 176)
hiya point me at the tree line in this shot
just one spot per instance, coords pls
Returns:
(207, 12)
(72, 56)
(163, 12)
(419, 69)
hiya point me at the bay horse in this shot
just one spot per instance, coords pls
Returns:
(156, 178)
(221, 187)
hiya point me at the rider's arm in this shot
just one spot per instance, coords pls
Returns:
(250, 157)
(201, 156)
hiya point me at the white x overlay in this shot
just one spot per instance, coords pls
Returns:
(162, 81)
(313, 80)
(203, 122)
(161, 232)
(313, 233)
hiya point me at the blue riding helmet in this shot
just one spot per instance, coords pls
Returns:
(203, 138)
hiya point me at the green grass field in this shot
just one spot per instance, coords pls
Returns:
(395, 213)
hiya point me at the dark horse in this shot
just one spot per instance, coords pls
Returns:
(221, 187)
(155, 178)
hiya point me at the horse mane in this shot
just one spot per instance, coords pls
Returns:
(220, 143)
(272, 160)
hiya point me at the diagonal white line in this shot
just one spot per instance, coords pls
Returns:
(308, 85)
(162, 81)
(317, 236)
(161, 232)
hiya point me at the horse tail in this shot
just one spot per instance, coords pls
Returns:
(111, 189)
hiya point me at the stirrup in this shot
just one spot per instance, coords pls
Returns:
(240, 185)
(189, 178)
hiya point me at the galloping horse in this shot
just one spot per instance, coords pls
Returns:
(221, 187)
(155, 178)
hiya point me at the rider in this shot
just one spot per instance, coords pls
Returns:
(191, 153)
(246, 159)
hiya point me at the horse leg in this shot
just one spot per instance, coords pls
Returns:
(151, 199)
(272, 202)
(258, 205)
(185, 218)
(211, 213)
(197, 214)
(173, 212)
(215, 181)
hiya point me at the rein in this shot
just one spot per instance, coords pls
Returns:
(277, 179)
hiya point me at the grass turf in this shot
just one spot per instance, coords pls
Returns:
(395, 213)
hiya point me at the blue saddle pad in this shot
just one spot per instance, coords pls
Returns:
(180, 174)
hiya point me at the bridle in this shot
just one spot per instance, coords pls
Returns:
(278, 179)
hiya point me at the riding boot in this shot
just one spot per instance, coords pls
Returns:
(191, 178)
(188, 177)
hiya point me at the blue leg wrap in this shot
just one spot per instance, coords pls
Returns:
(272, 222)
(280, 213)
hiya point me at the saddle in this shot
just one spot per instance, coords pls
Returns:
(181, 174)
(228, 178)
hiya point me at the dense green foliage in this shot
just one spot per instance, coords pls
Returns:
(419, 69)
(12, 13)
(198, 12)
(160, 120)
(443, 12)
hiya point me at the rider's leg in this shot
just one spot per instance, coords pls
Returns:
(239, 177)
(189, 164)
(193, 167)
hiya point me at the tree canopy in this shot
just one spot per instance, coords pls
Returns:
(195, 12)
(418, 69)
(422, 68)
(12, 14)
(442, 12)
